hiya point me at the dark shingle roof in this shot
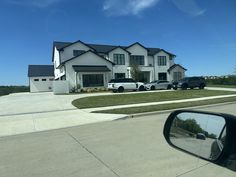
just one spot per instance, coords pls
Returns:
(175, 65)
(60, 45)
(88, 68)
(107, 48)
(102, 48)
(40, 70)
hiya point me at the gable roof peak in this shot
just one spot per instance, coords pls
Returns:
(136, 43)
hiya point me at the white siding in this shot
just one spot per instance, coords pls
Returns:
(86, 59)
(150, 61)
(162, 69)
(40, 86)
(56, 58)
(68, 51)
(139, 50)
(176, 69)
(59, 72)
(120, 68)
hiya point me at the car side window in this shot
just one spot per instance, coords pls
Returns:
(131, 80)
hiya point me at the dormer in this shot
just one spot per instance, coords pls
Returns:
(119, 55)
(73, 49)
(138, 54)
(164, 59)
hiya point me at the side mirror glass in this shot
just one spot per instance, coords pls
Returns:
(200, 134)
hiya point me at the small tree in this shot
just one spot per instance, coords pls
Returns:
(135, 72)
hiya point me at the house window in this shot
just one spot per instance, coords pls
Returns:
(93, 80)
(78, 52)
(119, 75)
(36, 80)
(136, 60)
(44, 79)
(162, 76)
(161, 60)
(177, 76)
(119, 59)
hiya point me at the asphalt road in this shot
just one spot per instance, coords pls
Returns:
(195, 146)
(131, 147)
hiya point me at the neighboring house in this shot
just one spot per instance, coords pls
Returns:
(176, 72)
(93, 65)
(40, 77)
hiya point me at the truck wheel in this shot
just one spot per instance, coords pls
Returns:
(175, 88)
(121, 89)
(168, 87)
(201, 86)
(184, 87)
(141, 88)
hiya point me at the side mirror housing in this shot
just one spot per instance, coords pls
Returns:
(206, 135)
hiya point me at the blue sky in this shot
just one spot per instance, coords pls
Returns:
(202, 33)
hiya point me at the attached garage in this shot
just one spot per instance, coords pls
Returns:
(41, 78)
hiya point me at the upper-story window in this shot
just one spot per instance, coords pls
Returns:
(119, 59)
(77, 52)
(161, 60)
(136, 60)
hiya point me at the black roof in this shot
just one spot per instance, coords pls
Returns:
(175, 65)
(40, 70)
(88, 68)
(107, 48)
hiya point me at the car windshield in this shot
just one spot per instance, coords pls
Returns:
(154, 82)
(184, 79)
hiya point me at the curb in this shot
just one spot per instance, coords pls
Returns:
(131, 116)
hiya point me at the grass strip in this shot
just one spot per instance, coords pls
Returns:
(222, 86)
(135, 110)
(144, 97)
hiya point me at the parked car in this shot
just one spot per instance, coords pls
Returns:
(200, 136)
(190, 82)
(158, 84)
(120, 85)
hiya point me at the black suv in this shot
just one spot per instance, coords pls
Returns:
(190, 82)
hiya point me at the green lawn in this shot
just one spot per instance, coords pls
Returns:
(135, 110)
(123, 99)
(222, 86)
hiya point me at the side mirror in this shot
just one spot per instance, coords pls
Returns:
(209, 136)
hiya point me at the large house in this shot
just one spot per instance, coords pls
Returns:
(93, 65)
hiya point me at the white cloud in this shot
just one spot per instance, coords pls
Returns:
(189, 7)
(127, 7)
(35, 3)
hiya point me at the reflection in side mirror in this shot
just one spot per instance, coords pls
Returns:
(198, 133)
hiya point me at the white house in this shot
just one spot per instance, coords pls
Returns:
(93, 65)
(40, 78)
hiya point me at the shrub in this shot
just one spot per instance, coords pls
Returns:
(5, 90)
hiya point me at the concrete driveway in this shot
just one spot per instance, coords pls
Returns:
(30, 112)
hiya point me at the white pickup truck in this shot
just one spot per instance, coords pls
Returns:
(120, 85)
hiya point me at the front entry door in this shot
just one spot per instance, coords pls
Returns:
(162, 76)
